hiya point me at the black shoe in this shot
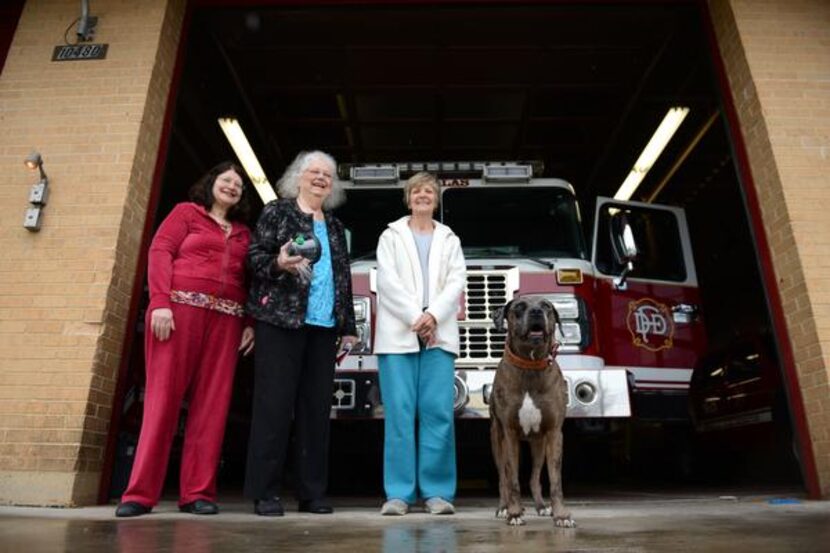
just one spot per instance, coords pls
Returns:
(131, 509)
(315, 506)
(271, 507)
(200, 507)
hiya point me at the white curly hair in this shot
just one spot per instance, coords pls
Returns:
(289, 184)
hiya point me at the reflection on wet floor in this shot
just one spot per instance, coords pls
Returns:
(735, 524)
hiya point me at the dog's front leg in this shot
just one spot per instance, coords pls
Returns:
(561, 516)
(537, 451)
(511, 478)
(497, 445)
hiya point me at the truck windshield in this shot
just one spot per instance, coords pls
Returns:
(366, 214)
(491, 222)
(515, 221)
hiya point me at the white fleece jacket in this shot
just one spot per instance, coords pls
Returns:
(400, 288)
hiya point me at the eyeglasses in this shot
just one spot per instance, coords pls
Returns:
(319, 173)
(233, 182)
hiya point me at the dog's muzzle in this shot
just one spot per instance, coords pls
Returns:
(537, 327)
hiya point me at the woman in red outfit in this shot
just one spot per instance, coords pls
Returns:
(194, 331)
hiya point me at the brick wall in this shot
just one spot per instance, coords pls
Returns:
(65, 291)
(777, 57)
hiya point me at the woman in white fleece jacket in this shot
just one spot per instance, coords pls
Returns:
(421, 274)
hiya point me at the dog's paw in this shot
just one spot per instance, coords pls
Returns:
(515, 520)
(501, 512)
(564, 522)
(544, 511)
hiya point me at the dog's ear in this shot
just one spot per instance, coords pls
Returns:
(557, 323)
(499, 315)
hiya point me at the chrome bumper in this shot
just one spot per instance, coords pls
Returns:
(593, 390)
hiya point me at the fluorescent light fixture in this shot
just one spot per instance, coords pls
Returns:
(671, 122)
(242, 148)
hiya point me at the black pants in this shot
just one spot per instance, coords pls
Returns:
(294, 375)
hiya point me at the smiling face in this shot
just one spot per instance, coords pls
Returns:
(227, 189)
(316, 180)
(422, 199)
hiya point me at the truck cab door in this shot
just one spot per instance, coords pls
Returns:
(647, 302)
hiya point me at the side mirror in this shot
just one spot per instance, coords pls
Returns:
(623, 245)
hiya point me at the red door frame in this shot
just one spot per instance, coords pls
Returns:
(141, 266)
(9, 17)
(746, 182)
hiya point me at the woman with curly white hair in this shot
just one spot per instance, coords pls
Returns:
(303, 311)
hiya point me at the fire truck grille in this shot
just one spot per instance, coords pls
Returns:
(484, 292)
(480, 343)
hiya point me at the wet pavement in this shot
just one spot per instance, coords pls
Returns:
(611, 522)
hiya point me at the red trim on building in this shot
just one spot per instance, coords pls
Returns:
(141, 266)
(9, 16)
(796, 401)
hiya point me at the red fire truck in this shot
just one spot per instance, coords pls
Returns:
(630, 330)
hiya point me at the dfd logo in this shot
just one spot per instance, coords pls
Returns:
(650, 324)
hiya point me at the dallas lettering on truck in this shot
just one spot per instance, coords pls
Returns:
(630, 329)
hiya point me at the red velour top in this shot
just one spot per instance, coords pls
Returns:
(191, 253)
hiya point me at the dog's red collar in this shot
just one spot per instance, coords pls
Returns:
(525, 363)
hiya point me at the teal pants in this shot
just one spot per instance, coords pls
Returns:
(418, 387)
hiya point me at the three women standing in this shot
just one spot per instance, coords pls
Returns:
(193, 332)
(302, 311)
(421, 275)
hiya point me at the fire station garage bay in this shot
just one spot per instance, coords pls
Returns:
(592, 153)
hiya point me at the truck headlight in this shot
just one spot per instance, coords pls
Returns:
(363, 324)
(569, 333)
(568, 308)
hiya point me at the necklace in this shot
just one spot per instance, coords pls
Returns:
(224, 225)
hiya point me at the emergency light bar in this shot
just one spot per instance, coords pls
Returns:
(492, 171)
(379, 174)
(507, 173)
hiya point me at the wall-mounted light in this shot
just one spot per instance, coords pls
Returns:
(86, 23)
(671, 122)
(247, 157)
(37, 195)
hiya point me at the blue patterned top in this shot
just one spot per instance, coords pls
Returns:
(320, 310)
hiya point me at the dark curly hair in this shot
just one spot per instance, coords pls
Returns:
(202, 191)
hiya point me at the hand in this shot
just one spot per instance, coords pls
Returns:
(347, 342)
(246, 345)
(425, 324)
(161, 323)
(296, 264)
(428, 338)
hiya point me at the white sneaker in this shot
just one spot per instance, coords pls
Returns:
(394, 507)
(439, 506)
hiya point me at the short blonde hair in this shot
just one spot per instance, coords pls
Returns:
(419, 179)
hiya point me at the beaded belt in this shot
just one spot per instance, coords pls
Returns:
(207, 301)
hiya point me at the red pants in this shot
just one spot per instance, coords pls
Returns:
(197, 361)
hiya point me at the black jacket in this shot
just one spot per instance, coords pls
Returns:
(281, 298)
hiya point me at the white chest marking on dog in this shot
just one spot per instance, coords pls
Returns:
(530, 417)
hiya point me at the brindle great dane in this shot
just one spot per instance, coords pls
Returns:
(528, 402)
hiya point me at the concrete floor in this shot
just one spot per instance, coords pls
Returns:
(630, 522)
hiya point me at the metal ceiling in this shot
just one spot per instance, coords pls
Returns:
(580, 88)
